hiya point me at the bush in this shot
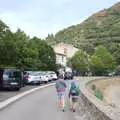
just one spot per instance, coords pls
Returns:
(93, 87)
(98, 94)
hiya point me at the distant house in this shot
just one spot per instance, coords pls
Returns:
(61, 59)
(63, 52)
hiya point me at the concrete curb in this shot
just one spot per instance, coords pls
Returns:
(17, 97)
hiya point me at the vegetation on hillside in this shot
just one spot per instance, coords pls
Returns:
(102, 28)
(99, 63)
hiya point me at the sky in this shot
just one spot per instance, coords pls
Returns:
(42, 17)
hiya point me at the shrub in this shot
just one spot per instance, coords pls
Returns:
(98, 94)
(93, 87)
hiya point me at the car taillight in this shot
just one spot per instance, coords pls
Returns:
(29, 77)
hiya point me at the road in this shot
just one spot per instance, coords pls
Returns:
(40, 105)
(5, 94)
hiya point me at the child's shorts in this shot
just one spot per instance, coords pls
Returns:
(74, 98)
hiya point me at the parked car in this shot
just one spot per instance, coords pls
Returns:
(68, 75)
(33, 78)
(111, 74)
(11, 78)
(44, 77)
(52, 75)
(117, 73)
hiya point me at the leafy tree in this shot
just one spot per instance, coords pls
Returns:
(21, 47)
(102, 61)
(3, 28)
(114, 48)
(80, 62)
(96, 65)
(7, 48)
(46, 54)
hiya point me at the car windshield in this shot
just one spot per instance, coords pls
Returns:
(52, 73)
(41, 73)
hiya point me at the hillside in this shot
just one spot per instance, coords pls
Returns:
(100, 28)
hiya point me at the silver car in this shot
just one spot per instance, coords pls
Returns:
(33, 78)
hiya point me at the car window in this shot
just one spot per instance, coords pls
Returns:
(17, 74)
(34, 73)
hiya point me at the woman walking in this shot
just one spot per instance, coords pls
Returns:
(61, 88)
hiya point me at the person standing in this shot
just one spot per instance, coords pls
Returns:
(60, 89)
(73, 95)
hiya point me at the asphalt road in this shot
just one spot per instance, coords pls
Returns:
(40, 105)
(5, 94)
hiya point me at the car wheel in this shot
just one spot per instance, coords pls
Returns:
(46, 81)
(17, 89)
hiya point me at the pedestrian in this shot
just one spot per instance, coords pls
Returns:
(61, 88)
(73, 95)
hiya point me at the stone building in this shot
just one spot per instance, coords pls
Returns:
(64, 52)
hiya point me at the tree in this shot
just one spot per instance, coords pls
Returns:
(7, 48)
(96, 65)
(3, 28)
(80, 62)
(102, 61)
(114, 48)
(46, 54)
(22, 50)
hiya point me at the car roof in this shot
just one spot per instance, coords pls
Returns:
(9, 68)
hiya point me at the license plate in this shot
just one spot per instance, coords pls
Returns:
(13, 83)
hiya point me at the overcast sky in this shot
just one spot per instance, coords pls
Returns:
(40, 17)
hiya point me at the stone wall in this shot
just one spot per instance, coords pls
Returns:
(91, 108)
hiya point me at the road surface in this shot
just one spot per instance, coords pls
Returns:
(5, 94)
(40, 105)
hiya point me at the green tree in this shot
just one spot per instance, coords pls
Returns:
(7, 48)
(114, 48)
(21, 46)
(102, 61)
(80, 62)
(96, 65)
(46, 54)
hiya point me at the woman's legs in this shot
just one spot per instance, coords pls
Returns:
(63, 103)
(61, 100)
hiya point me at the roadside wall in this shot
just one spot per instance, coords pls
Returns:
(94, 107)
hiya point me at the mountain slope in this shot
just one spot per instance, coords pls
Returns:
(100, 28)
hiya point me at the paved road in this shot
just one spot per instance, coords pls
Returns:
(40, 105)
(5, 94)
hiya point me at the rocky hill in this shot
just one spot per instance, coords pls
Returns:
(102, 28)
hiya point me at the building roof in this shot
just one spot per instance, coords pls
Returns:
(61, 43)
(60, 54)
